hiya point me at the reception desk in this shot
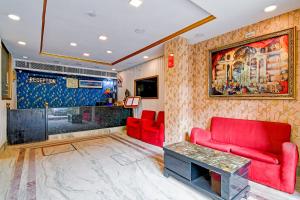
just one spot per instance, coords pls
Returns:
(30, 125)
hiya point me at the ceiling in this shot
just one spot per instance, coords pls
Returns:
(128, 28)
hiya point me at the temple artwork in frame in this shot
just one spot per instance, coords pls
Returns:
(261, 67)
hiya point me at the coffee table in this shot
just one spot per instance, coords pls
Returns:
(193, 164)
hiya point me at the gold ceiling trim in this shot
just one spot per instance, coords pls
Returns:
(74, 58)
(169, 37)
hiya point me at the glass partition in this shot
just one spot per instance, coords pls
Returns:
(31, 125)
(72, 119)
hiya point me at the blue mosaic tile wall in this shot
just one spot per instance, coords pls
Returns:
(34, 95)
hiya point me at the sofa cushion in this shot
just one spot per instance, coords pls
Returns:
(148, 114)
(215, 145)
(259, 135)
(255, 154)
(151, 130)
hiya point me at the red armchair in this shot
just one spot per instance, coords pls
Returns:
(273, 157)
(133, 125)
(154, 132)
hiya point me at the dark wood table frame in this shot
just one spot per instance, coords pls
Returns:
(234, 185)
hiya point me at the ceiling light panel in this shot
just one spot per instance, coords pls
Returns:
(102, 37)
(270, 8)
(22, 43)
(14, 17)
(73, 44)
(136, 3)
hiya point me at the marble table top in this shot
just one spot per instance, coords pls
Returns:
(225, 161)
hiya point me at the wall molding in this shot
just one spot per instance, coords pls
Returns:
(107, 63)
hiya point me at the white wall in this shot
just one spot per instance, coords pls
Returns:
(2, 113)
(151, 68)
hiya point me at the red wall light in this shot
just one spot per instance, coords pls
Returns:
(171, 60)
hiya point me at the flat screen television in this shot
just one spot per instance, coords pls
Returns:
(147, 88)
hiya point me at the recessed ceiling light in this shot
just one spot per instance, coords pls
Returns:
(108, 51)
(145, 57)
(102, 37)
(139, 31)
(86, 54)
(113, 69)
(199, 35)
(73, 44)
(14, 17)
(270, 8)
(91, 13)
(25, 57)
(136, 3)
(22, 43)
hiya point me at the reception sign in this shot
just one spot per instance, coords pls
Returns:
(41, 80)
(90, 84)
(260, 67)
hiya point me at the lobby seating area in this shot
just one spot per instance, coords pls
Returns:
(147, 128)
(133, 125)
(153, 132)
(273, 157)
(150, 100)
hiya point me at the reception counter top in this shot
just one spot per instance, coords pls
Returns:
(29, 125)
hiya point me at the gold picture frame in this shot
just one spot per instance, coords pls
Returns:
(6, 73)
(258, 68)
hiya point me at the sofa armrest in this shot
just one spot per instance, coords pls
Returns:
(162, 132)
(131, 120)
(289, 164)
(199, 134)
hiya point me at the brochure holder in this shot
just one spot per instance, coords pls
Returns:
(132, 102)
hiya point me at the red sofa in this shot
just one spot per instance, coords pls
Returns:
(133, 125)
(273, 157)
(154, 132)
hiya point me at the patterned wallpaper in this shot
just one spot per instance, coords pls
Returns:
(203, 107)
(34, 95)
(178, 87)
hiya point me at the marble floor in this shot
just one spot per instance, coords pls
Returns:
(111, 167)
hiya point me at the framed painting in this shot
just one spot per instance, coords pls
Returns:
(90, 84)
(6, 73)
(257, 68)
